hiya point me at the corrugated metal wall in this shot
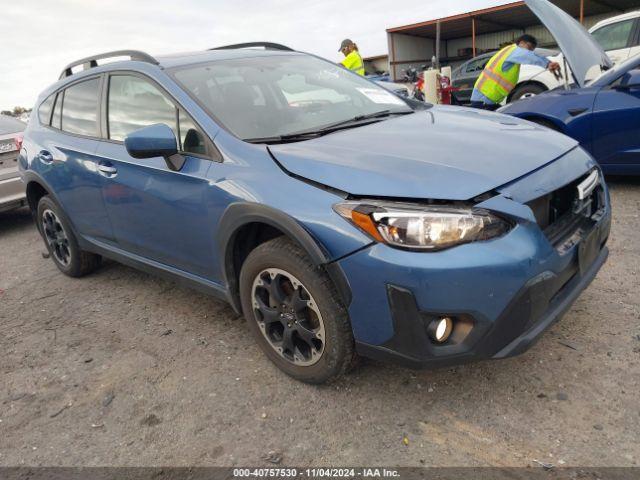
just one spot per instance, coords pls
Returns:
(413, 51)
(410, 51)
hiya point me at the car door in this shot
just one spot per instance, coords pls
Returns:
(617, 38)
(157, 214)
(616, 125)
(65, 156)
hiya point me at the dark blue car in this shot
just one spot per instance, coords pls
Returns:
(601, 109)
(340, 219)
(604, 116)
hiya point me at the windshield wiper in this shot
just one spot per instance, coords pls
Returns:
(291, 137)
(356, 121)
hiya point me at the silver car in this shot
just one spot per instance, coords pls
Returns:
(12, 191)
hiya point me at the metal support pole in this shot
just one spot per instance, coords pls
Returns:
(582, 11)
(392, 58)
(473, 35)
(437, 45)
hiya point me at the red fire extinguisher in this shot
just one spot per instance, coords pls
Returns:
(444, 90)
(418, 89)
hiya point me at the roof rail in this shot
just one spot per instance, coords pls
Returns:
(92, 62)
(266, 45)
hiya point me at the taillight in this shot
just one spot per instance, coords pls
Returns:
(18, 141)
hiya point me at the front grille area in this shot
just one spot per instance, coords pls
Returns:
(564, 217)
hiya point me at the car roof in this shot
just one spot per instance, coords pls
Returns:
(189, 58)
(138, 60)
(617, 18)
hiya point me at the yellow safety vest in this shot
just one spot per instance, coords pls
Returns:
(354, 62)
(494, 83)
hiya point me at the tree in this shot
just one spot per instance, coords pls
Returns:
(16, 112)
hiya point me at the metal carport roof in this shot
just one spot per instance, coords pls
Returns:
(515, 15)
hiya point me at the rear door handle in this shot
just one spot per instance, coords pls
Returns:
(574, 112)
(45, 157)
(107, 170)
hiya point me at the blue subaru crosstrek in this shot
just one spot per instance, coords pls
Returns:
(340, 219)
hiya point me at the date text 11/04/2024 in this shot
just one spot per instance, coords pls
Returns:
(316, 472)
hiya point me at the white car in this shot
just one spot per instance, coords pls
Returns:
(619, 36)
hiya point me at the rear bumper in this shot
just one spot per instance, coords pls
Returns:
(12, 190)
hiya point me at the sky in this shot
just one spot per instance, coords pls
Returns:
(39, 37)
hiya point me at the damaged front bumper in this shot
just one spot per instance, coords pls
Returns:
(501, 294)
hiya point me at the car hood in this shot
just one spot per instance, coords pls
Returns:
(585, 56)
(446, 153)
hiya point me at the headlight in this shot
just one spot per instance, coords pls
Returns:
(422, 227)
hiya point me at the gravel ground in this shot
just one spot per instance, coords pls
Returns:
(121, 368)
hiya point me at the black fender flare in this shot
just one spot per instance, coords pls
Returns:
(29, 176)
(238, 215)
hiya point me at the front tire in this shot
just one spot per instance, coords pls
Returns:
(61, 242)
(294, 313)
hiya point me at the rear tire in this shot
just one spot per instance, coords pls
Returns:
(294, 313)
(527, 90)
(61, 242)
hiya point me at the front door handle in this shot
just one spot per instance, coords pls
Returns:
(45, 157)
(574, 112)
(107, 170)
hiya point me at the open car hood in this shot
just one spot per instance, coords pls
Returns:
(585, 56)
(446, 153)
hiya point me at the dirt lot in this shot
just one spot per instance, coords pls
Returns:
(121, 368)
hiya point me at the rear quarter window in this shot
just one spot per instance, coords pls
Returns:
(56, 119)
(46, 107)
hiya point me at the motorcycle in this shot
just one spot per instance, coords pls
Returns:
(416, 78)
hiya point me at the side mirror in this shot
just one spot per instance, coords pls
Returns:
(629, 80)
(155, 141)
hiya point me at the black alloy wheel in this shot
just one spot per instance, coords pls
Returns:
(288, 317)
(56, 237)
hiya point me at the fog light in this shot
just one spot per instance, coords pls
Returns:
(440, 329)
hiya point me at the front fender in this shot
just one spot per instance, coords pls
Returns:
(238, 215)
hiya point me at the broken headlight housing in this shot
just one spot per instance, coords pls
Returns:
(422, 227)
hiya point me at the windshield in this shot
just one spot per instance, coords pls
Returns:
(276, 95)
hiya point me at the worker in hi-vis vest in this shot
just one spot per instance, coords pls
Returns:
(502, 71)
(352, 59)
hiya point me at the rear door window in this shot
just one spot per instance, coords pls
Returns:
(80, 108)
